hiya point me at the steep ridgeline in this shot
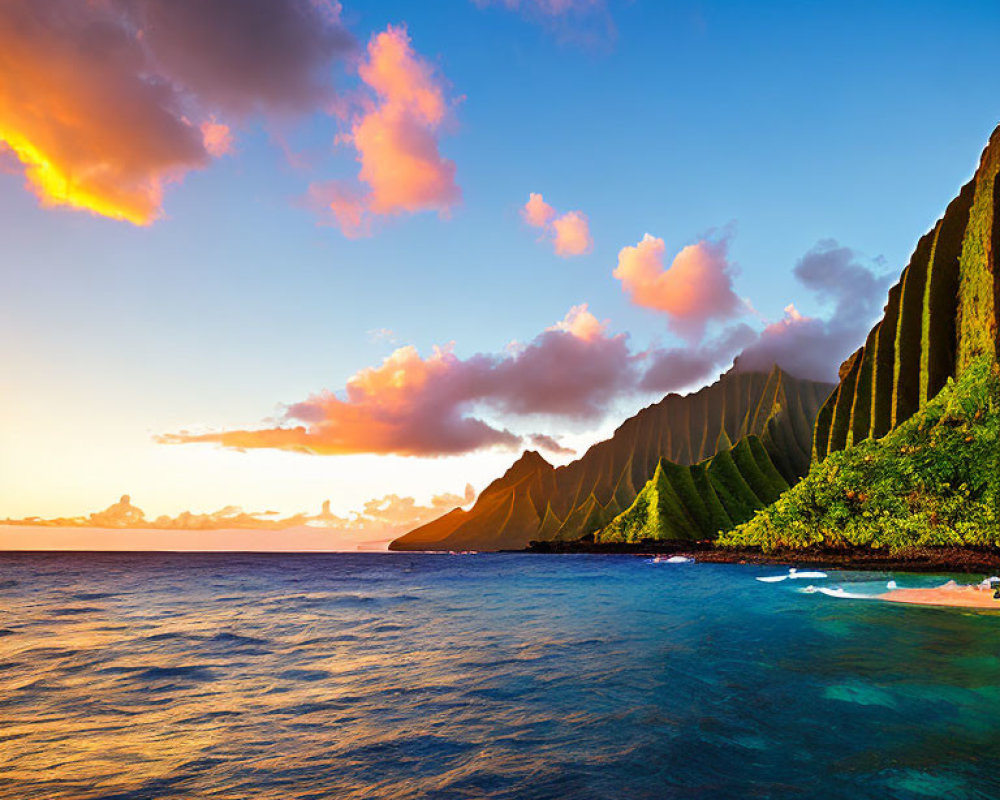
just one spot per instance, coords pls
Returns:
(906, 451)
(939, 317)
(534, 501)
(698, 501)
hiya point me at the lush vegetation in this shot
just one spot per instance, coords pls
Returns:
(932, 481)
(977, 318)
(697, 501)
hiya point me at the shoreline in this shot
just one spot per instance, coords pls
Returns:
(920, 559)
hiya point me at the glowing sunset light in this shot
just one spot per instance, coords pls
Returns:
(366, 250)
(415, 406)
(56, 186)
(95, 98)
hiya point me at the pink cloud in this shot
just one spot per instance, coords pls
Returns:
(396, 139)
(675, 368)
(569, 232)
(543, 442)
(581, 323)
(430, 406)
(537, 212)
(572, 234)
(342, 204)
(695, 289)
(217, 138)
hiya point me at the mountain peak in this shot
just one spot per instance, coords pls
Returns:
(529, 462)
(534, 500)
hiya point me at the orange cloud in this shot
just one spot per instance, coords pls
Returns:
(415, 406)
(696, 288)
(537, 212)
(382, 517)
(572, 234)
(391, 515)
(89, 130)
(581, 323)
(96, 97)
(395, 139)
(569, 232)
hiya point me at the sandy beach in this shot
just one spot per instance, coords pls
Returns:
(950, 594)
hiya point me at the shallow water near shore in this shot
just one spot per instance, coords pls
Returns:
(506, 676)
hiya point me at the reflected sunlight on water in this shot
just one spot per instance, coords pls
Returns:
(514, 676)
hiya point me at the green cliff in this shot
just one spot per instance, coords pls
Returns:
(932, 481)
(906, 445)
(534, 501)
(698, 501)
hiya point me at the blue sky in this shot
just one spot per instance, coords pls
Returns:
(796, 122)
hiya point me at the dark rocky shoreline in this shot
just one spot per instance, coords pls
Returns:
(926, 559)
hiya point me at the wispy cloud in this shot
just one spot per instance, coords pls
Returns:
(581, 22)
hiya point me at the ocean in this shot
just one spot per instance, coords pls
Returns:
(127, 676)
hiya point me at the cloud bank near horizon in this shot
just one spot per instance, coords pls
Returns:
(381, 517)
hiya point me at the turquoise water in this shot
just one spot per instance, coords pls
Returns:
(501, 676)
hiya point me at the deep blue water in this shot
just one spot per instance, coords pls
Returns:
(500, 676)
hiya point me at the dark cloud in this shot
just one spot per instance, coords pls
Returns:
(246, 56)
(106, 103)
(813, 348)
(549, 443)
(671, 369)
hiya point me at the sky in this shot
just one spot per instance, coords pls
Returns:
(263, 255)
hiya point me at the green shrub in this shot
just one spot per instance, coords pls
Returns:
(933, 481)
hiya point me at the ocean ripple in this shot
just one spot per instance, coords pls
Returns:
(229, 676)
